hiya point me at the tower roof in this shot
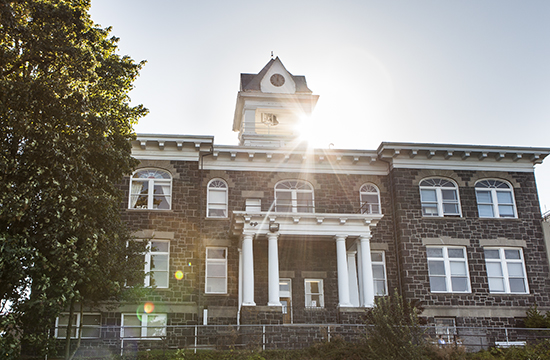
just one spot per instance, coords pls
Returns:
(252, 82)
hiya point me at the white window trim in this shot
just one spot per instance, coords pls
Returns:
(151, 186)
(505, 275)
(77, 326)
(494, 198)
(148, 263)
(143, 327)
(226, 200)
(383, 263)
(294, 196)
(439, 198)
(362, 203)
(321, 294)
(447, 264)
(215, 261)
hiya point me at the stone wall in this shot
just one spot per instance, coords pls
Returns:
(412, 228)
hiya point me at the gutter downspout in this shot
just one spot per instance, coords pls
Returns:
(201, 244)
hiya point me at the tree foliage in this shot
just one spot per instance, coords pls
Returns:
(65, 127)
(394, 330)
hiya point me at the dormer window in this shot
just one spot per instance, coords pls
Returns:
(294, 196)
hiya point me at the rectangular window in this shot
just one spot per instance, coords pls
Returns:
(314, 293)
(150, 326)
(506, 270)
(446, 328)
(157, 263)
(91, 326)
(216, 270)
(379, 273)
(448, 269)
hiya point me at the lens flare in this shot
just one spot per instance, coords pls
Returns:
(148, 307)
(178, 275)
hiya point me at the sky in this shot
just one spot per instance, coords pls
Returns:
(433, 71)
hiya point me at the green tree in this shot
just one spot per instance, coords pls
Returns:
(65, 127)
(394, 330)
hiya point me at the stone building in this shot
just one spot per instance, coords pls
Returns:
(272, 232)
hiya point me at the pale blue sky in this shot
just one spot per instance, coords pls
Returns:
(465, 72)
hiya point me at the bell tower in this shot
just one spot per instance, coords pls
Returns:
(269, 106)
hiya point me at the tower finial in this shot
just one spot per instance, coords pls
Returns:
(272, 54)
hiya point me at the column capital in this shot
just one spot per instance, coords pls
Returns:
(365, 237)
(340, 237)
(274, 235)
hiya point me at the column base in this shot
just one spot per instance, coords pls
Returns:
(249, 304)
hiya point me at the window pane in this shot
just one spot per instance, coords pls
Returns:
(496, 285)
(159, 246)
(159, 262)
(132, 326)
(450, 208)
(512, 254)
(376, 256)
(215, 253)
(436, 267)
(484, 197)
(213, 212)
(141, 202)
(458, 268)
(506, 210)
(428, 195)
(504, 197)
(91, 320)
(160, 279)
(314, 287)
(215, 269)
(434, 252)
(491, 254)
(517, 286)
(379, 287)
(156, 325)
(456, 253)
(485, 210)
(161, 202)
(378, 271)
(459, 283)
(217, 196)
(216, 285)
(90, 332)
(429, 210)
(515, 270)
(494, 269)
(449, 195)
(438, 283)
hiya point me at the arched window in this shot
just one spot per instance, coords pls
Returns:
(217, 199)
(439, 197)
(294, 196)
(370, 199)
(150, 189)
(495, 198)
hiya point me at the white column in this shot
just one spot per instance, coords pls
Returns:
(359, 273)
(343, 278)
(248, 270)
(273, 270)
(352, 273)
(366, 268)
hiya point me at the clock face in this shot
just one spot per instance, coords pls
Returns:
(277, 80)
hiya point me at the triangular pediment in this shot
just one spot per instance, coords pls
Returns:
(274, 78)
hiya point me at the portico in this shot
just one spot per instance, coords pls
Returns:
(351, 234)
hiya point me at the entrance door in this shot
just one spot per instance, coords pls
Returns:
(285, 296)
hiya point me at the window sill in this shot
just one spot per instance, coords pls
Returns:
(155, 210)
(216, 218)
(498, 218)
(442, 217)
(216, 294)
